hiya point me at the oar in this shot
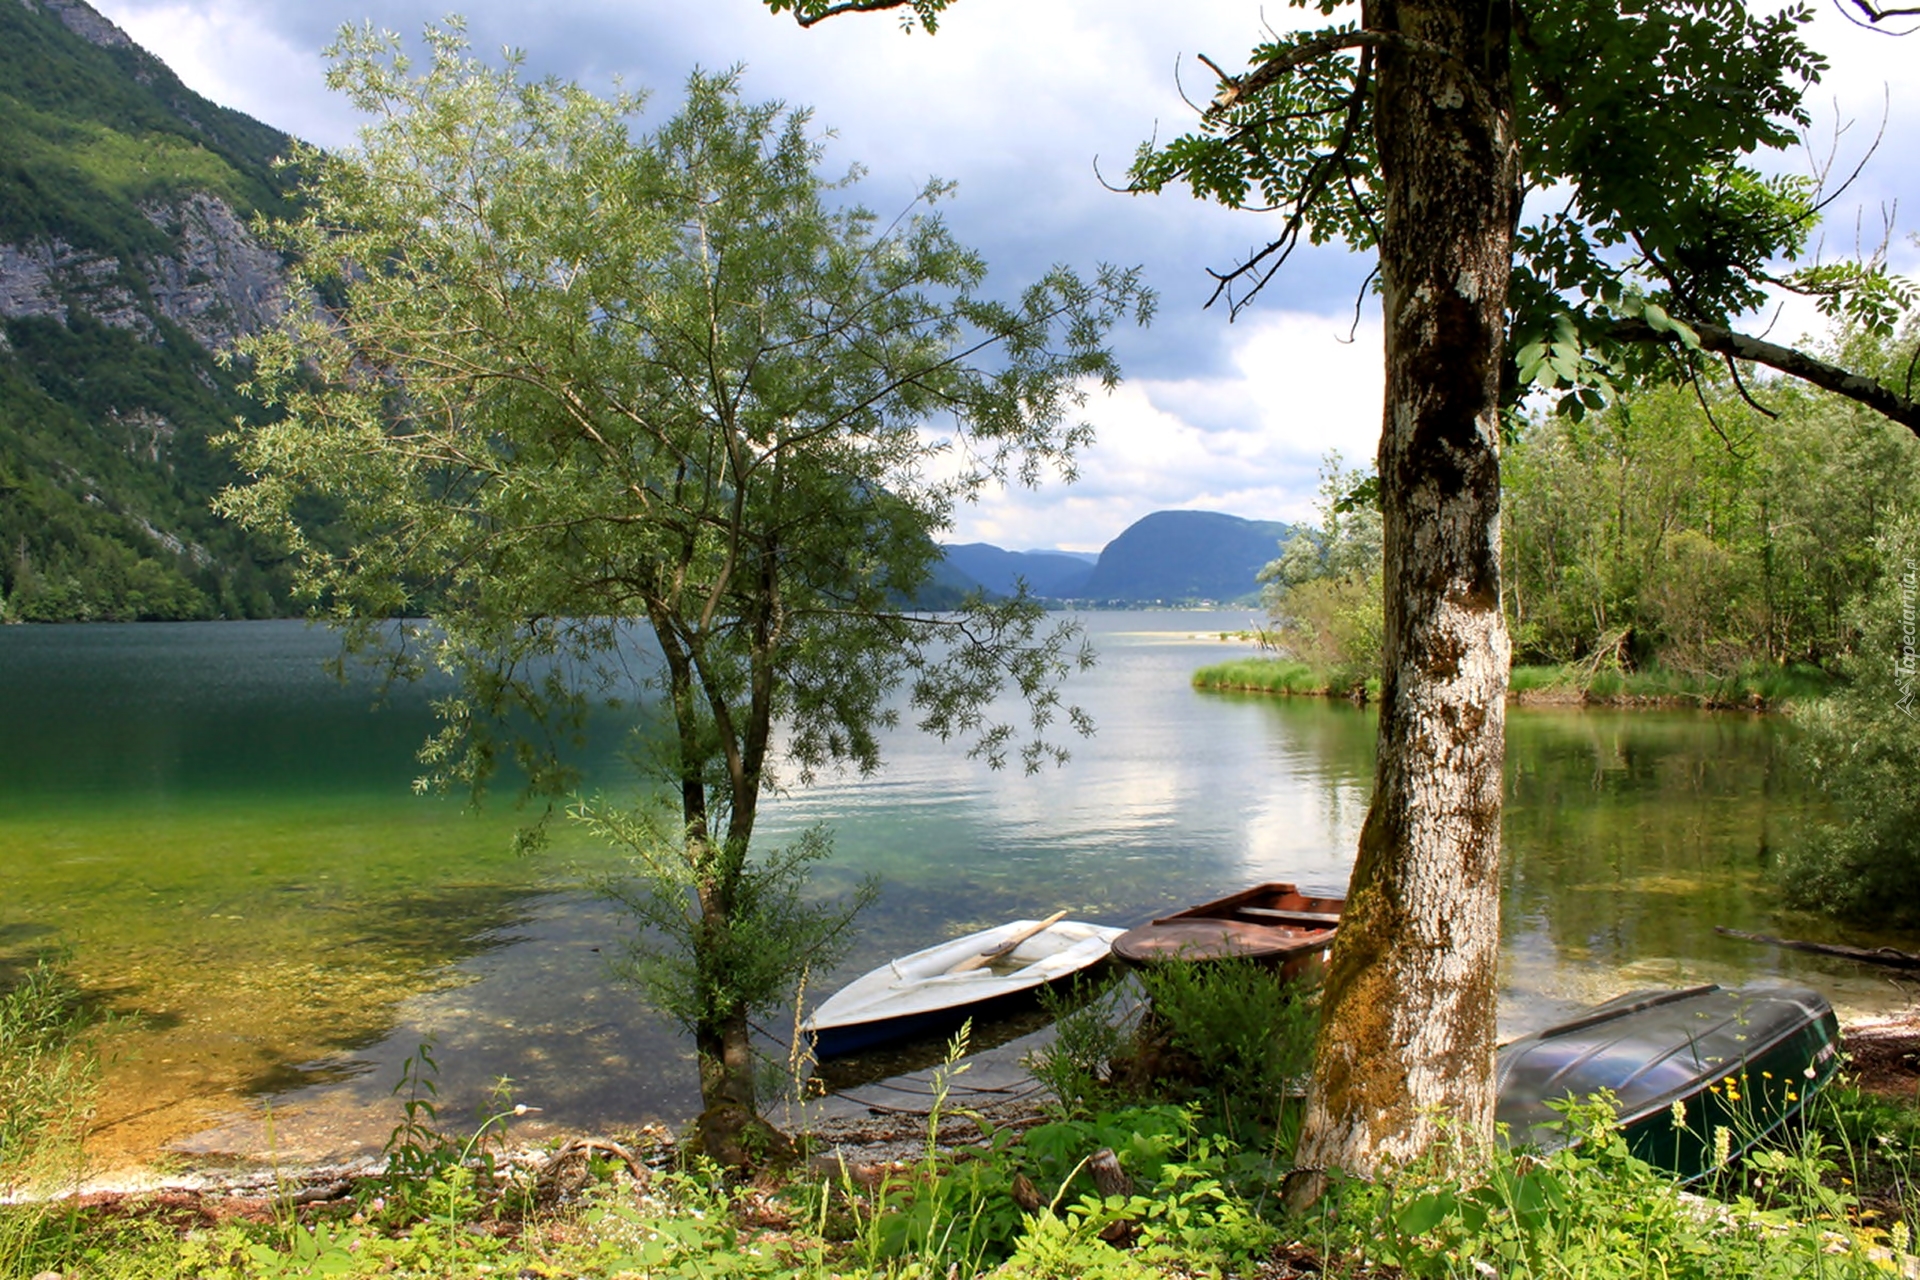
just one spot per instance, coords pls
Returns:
(991, 954)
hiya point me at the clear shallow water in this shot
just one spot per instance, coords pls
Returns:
(224, 843)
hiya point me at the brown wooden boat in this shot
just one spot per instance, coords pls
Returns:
(1274, 924)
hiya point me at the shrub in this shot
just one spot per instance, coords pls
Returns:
(1863, 748)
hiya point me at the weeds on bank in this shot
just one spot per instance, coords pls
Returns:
(1591, 1210)
(1285, 676)
(1162, 1172)
(1762, 685)
(1759, 685)
(1227, 1037)
(48, 1068)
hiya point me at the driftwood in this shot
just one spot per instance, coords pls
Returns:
(1885, 956)
(321, 1195)
(565, 1170)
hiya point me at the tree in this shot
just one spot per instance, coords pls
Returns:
(1323, 592)
(1864, 749)
(655, 417)
(1414, 134)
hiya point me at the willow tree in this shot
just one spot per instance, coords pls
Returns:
(1417, 131)
(561, 381)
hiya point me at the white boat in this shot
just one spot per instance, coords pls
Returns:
(942, 986)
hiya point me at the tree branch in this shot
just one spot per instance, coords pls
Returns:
(1880, 13)
(1235, 89)
(1862, 390)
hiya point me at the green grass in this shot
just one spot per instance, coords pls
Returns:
(1280, 676)
(1195, 1204)
(1834, 1200)
(1757, 686)
(1761, 685)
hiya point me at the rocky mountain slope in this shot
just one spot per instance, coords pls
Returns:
(126, 267)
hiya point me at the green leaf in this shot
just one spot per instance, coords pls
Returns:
(1425, 1212)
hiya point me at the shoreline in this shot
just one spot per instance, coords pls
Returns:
(1882, 1055)
(1549, 697)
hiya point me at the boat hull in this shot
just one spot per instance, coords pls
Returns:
(1742, 1059)
(919, 995)
(1271, 924)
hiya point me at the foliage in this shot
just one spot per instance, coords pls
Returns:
(1228, 1038)
(1264, 675)
(1594, 1209)
(1750, 686)
(93, 130)
(1668, 227)
(653, 419)
(1679, 528)
(103, 450)
(47, 1069)
(774, 932)
(1023, 1204)
(105, 469)
(1876, 1146)
(1324, 590)
(1863, 749)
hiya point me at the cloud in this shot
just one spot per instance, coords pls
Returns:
(1015, 100)
(1247, 441)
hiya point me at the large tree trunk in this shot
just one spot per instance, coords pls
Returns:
(1407, 1035)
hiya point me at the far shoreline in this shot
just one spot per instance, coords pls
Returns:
(1571, 685)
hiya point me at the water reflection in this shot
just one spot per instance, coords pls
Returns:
(224, 841)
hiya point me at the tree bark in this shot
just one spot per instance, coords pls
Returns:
(1407, 1035)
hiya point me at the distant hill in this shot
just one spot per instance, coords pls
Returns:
(1047, 573)
(1181, 556)
(125, 265)
(1169, 557)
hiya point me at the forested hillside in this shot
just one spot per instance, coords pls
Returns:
(125, 266)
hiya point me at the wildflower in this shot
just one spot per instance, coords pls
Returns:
(1679, 1113)
(1809, 1073)
(1722, 1143)
(1900, 1237)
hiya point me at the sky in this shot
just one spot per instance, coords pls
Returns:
(1026, 104)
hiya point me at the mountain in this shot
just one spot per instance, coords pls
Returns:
(1048, 574)
(126, 266)
(1169, 557)
(1185, 556)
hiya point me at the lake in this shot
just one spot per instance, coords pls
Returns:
(223, 844)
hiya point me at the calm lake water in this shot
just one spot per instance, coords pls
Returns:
(223, 843)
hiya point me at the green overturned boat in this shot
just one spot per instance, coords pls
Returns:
(1743, 1059)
